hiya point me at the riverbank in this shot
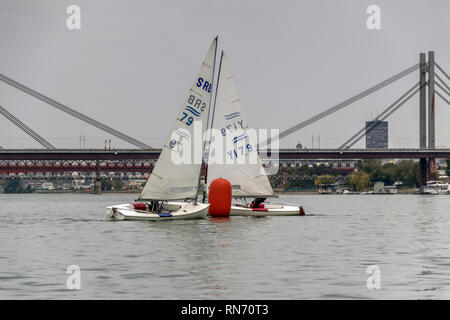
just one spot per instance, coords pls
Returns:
(277, 192)
(82, 191)
(313, 192)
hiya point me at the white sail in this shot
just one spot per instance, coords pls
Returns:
(172, 180)
(246, 173)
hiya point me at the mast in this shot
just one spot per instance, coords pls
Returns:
(207, 122)
(212, 122)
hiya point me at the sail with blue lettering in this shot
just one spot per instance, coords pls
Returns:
(177, 172)
(236, 157)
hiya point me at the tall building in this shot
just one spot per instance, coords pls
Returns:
(376, 134)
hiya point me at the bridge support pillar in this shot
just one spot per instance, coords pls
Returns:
(98, 182)
(98, 186)
(431, 169)
(423, 170)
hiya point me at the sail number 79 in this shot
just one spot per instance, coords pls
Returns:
(233, 154)
(189, 119)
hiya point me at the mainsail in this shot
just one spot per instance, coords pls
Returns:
(244, 170)
(172, 179)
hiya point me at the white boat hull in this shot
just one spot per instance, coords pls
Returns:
(436, 187)
(432, 191)
(171, 211)
(268, 210)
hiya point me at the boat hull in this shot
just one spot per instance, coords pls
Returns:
(432, 191)
(268, 210)
(179, 211)
(436, 187)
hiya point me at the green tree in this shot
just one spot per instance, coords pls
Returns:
(408, 173)
(325, 179)
(358, 180)
(107, 184)
(15, 186)
(118, 184)
(448, 167)
(406, 170)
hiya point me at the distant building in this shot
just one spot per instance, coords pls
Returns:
(47, 186)
(376, 134)
(379, 187)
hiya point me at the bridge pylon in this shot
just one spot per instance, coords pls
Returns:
(422, 118)
(427, 167)
(431, 115)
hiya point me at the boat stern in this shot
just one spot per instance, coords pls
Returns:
(113, 212)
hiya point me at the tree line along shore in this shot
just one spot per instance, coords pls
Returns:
(301, 179)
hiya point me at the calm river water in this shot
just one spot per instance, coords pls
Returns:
(324, 255)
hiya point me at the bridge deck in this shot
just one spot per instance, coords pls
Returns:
(284, 154)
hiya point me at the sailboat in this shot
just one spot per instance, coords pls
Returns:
(172, 188)
(245, 173)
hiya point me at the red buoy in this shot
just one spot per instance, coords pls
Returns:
(219, 198)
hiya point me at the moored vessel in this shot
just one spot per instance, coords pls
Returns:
(436, 187)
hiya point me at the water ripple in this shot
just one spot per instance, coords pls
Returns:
(324, 255)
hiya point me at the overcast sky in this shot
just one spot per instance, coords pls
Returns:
(132, 62)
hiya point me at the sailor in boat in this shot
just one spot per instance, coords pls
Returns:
(256, 203)
(152, 207)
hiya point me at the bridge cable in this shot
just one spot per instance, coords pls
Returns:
(380, 115)
(368, 130)
(447, 88)
(26, 129)
(442, 70)
(441, 87)
(443, 81)
(343, 104)
(441, 96)
(74, 113)
(383, 118)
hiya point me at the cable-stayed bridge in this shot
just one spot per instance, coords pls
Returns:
(433, 82)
